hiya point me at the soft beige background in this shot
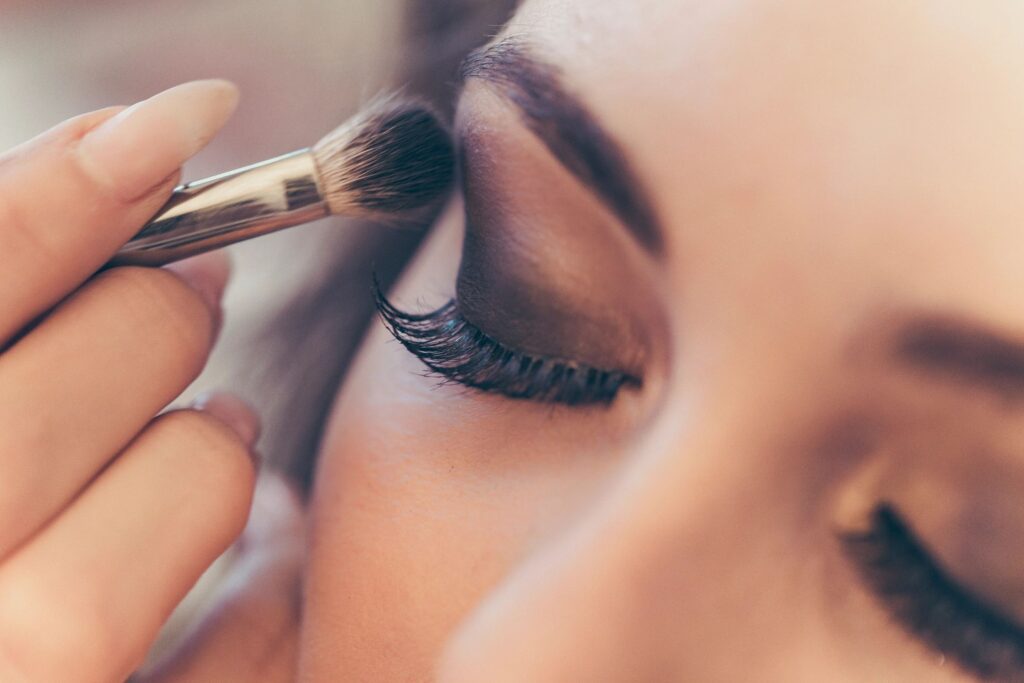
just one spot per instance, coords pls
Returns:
(302, 65)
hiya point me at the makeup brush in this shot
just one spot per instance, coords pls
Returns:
(390, 160)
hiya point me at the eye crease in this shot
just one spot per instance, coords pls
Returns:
(460, 352)
(569, 130)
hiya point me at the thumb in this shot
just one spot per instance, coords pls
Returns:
(251, 633)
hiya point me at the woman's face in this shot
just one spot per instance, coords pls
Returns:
(783, 239)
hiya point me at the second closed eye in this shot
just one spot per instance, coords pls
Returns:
(923, 598)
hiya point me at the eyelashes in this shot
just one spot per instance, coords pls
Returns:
(460, 352)
(930, 604)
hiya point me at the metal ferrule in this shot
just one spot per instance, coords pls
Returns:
(228, 208)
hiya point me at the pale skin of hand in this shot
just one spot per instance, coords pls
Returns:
(109, 514)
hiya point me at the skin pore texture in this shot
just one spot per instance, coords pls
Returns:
(830, 322)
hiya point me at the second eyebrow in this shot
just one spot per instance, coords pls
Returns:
(571, 133)
(964, 353)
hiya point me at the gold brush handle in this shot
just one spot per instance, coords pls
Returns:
(228, 208)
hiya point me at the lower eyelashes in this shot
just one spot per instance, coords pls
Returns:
(458, 351)
(932, 606)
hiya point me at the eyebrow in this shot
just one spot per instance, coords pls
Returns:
(966, 354)
(569, 131)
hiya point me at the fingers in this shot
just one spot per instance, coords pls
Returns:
(83, 599)
(82, 384)
(252, 632)
(72, 196)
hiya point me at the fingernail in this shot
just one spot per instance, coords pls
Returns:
(135, 150)
(208, 274)
(232, 411)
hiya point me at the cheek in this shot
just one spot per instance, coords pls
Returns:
(426, 497)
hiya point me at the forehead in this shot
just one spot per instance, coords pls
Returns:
(881, 144)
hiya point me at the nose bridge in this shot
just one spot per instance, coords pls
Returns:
(633, 591)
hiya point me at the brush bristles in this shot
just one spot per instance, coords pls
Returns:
(393, 158)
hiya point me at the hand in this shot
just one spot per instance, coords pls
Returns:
(107, 515)
(249, 629)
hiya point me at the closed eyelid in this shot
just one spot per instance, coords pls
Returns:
(925, 599)
(543, 262)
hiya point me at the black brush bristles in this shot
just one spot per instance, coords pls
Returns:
(393, 158)
(460, 352)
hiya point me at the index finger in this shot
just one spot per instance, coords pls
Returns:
(72, 196)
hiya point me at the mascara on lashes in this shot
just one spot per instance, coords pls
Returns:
(926, 601)
(460, 352)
